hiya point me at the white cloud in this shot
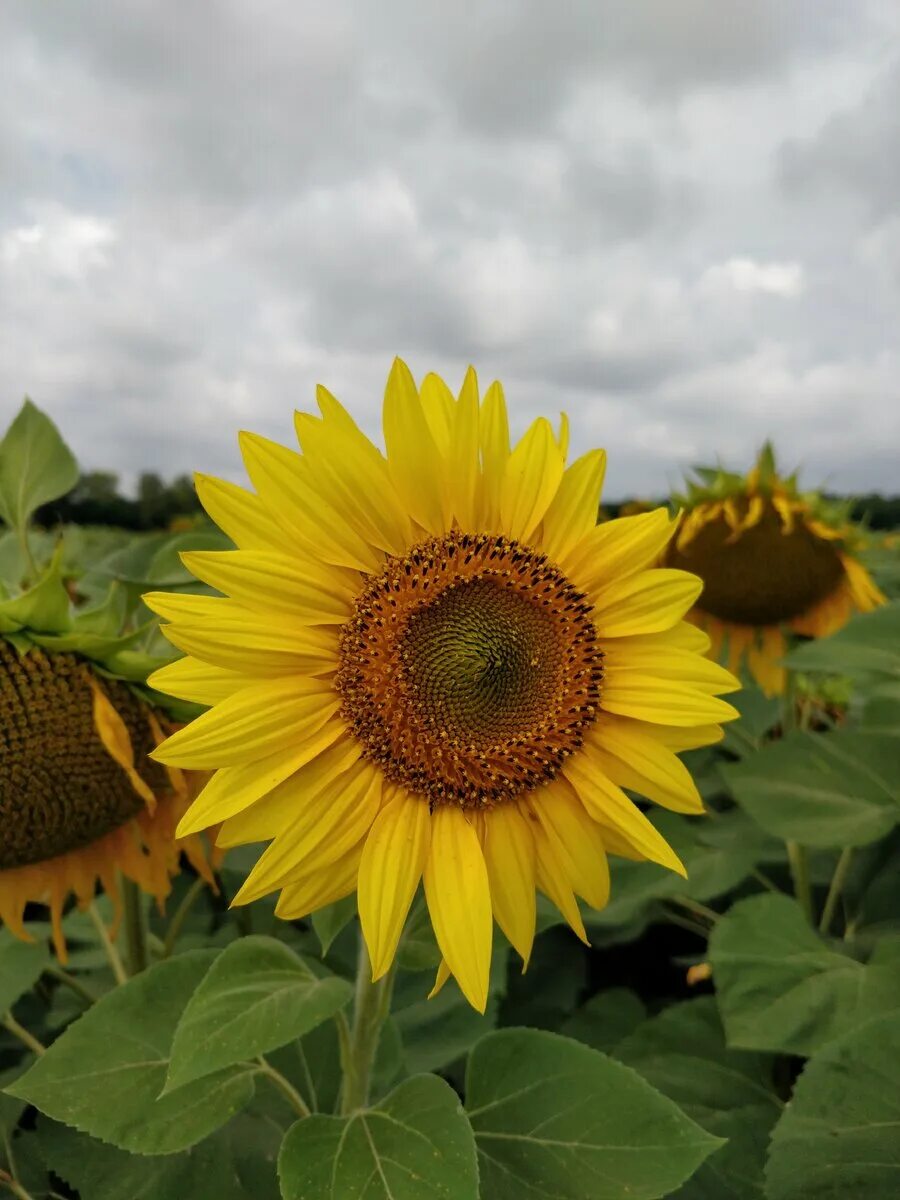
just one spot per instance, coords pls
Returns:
(745, 275)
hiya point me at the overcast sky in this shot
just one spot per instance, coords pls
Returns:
(678, 220)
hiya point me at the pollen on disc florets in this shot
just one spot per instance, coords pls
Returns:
(59, 788)
(767, 574)
(470, 669)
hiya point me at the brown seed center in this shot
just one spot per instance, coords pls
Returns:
(470, 669)
(59, 788)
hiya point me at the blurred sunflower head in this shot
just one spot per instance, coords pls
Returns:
(80, 800)
(772, 560)
(432, 664)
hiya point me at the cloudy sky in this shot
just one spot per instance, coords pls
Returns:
(678, 220)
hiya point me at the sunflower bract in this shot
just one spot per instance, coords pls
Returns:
(425, 667)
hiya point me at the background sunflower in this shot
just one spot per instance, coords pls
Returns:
(772, 560)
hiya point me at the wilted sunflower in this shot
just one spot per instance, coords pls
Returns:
(435, 664)
(80, 800)
(771, 559)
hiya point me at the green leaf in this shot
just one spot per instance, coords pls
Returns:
(36, 466)
(21, 964)
(415, 1145)
(606, 1019)
(759, 713)
(827, 790)
(781, 988)
(258, 995)
(837, 1139)
(682, 1052)
(554, 1119)
(101, 1172)
(105, 1073)
(330, 920)
(869, 644)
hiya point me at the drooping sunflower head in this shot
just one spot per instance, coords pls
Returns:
(772, 560)
(80, 799)
(431, 664)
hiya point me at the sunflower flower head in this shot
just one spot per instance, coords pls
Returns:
(80, 800)
(431, 665)
(772, 560)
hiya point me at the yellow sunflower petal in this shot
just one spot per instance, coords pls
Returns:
(443, 974)
(464, 455)
(439, 408)
(277, 582)
(494, 437)
(414, 459)
(262, 820)
(572, 513)
(553, 880)
(459, 901)
(240, 514)
(533, 474)
(631, 756)
(199, 682)
(647, 602)
(510, 857)
(282, 479)
(254, 722)
(256, 645)
(622, 659)
(576, 839)
(113, 733)
(617, 549)
(389, 872)
(233, 789)
(650, 697)
(608, 804)
(324, 828)
(314, 890)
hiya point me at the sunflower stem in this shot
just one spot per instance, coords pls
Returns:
(71, 982)
(836, 887)
(109, 947)
(799, 863)
(135, 927)
(371, 1006)
(191, 896)
(287, 1089)
(11, 1025)
(13, 1186)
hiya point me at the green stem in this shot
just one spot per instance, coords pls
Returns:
(685, 922)
(838, 879)
(695, 907)
(70, 981)
(800, 874)
(13, 1186)
(112, 954)
(26, 551)
(371, 1006)
(11, 1025)
(766, 881)
(287, 1089)
(135, 927)
(181, 913)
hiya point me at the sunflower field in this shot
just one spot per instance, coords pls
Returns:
(406, 828)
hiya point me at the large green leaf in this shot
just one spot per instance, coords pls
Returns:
(415, 1145)
(36, 465)
(682, 1052)
(256, 996)
(838, 1138)
(101, 1172)
(781, 987)
(869, 644)
(21, 964)
(553, 1118)
(606, 1019)
(105, 1074)
(834, 789)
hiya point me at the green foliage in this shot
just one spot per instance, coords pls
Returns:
(257, 996)
(415, 1145)
(35, 466)
(21, 964)
(838, 1138)
(869, 646)
(554, 1118)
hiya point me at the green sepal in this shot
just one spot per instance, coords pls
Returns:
(95, 646)
(766, 469)
(107, 617)
(44, 607)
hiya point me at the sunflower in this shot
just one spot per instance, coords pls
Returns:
(434, 665)
(80, 800)
(772, 560)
